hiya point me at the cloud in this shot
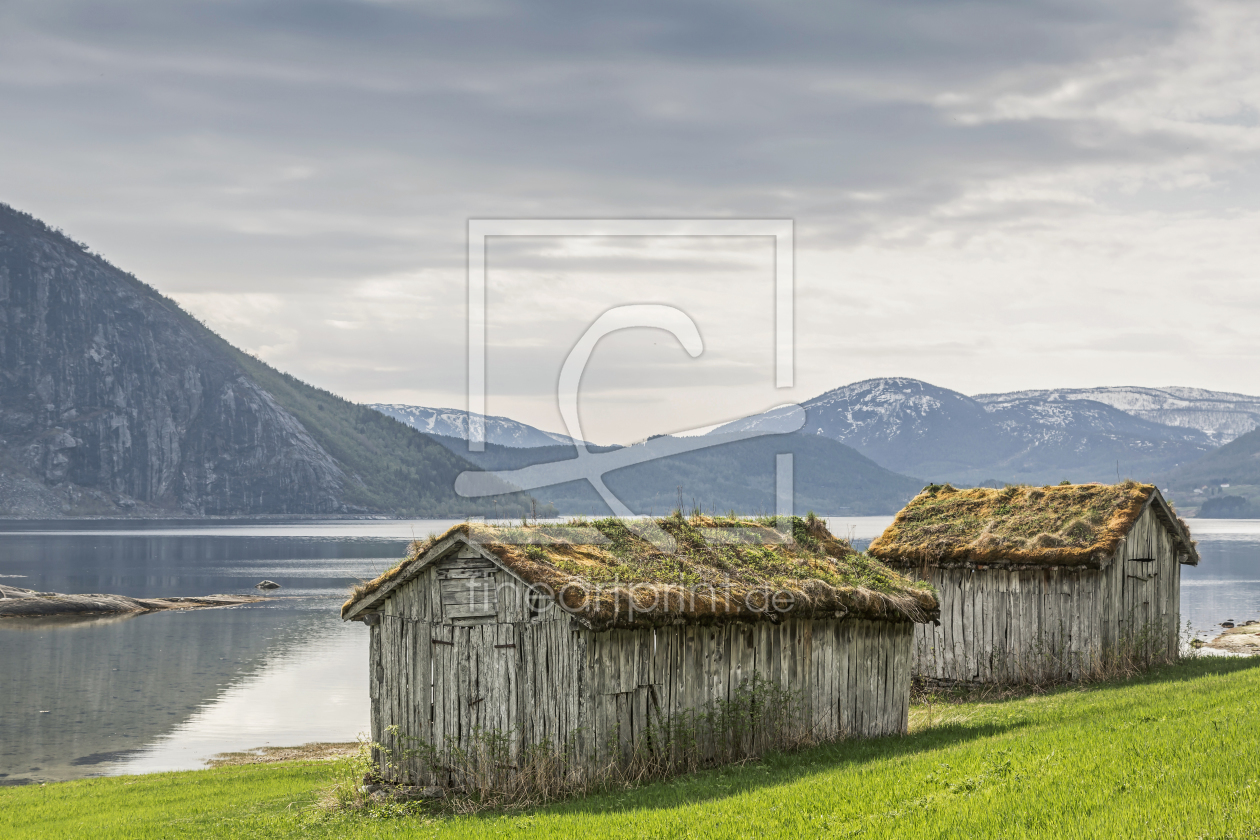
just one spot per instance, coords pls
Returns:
(970, 180)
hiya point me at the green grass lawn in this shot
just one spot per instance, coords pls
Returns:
(1173, 755)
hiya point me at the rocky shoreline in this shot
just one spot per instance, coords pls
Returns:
(1242, 639)
(27, 603)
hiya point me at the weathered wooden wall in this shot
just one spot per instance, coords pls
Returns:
(1004, 625)
(444, 668)
(851, 678)
(1143, 608)
(1000, 625)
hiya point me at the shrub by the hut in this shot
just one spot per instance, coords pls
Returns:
(1042, 584)
(662, 641)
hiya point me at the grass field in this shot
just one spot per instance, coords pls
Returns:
(1175, 754)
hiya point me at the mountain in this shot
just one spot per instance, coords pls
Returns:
(1237, 462)
(828, 478)
(113, 400)
(453, 423)
(917, 428)
(1221, 415)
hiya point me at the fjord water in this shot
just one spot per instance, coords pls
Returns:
(122, 694)
(93, 696)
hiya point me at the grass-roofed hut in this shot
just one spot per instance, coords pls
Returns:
(595, 640)
(1042, 583)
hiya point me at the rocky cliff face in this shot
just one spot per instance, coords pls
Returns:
(112, 399)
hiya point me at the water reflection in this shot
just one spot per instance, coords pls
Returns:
(84, 697)
(308, 692)
(79, 694)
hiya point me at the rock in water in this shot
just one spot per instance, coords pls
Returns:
(267, 584)
(27, 603)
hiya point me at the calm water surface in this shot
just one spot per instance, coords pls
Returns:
(84, 697)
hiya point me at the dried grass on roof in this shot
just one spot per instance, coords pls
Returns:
(1077, 524)
(609, 575)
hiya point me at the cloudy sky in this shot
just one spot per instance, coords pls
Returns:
(988, 196)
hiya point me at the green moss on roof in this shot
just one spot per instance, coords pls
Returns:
(1074, 524)
(712, 570)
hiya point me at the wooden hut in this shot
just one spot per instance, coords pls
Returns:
(596, 638)
(1042, 583)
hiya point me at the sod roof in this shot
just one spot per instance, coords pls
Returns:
(1064, 525)
(632, 573)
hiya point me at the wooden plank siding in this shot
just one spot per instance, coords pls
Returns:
(441, 675)
(1055, 623)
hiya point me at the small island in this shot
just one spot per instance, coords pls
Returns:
(27, 603)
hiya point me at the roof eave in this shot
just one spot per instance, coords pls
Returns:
(1169, 518)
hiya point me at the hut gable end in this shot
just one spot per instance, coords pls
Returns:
(468, 583)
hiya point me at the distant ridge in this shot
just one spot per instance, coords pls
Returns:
(1221, 415)
(916, 428)
(453, 423)
(1237, 462)
(739, 475)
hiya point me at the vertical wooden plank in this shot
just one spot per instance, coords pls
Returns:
(865, 706)
(864, 679)
(946, 652)
(422, 679)
(987, 621)
(833, 679)
(1019, 626)
(605, 709)
(892, 694)
(375, 673)
(751, 640)
(859, 677)
(967, 596)
(820, 635)
(775, 655)
(903, 698)
(715, 682)
(844, 704)
(876, 681)
(805, 629)
(882, 683)
(951, 626)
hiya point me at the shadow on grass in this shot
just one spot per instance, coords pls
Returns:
(770, 770)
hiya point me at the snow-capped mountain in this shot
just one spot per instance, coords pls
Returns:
(453, 423)
(917, 428)
(1221, 415)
